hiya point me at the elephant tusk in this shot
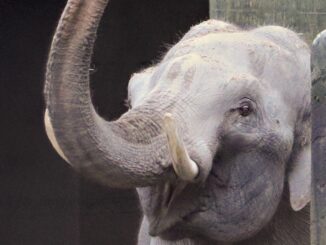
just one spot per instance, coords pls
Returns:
(185, 168)
(50, 133)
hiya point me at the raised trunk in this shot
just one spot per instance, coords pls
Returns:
(126, 153)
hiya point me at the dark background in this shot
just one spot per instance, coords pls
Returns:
(42, 201)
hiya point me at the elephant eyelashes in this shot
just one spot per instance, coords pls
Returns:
(245, 109)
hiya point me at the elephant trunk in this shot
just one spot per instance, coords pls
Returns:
(129, 152)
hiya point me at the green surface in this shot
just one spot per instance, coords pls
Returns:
(304, 16)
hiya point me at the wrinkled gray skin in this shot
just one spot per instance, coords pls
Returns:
(241, 106)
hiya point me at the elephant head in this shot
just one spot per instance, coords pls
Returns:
(215, 132)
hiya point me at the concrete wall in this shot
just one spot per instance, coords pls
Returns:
(304, 16)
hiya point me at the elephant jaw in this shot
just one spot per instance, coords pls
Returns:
(164, 219)
(172, 208)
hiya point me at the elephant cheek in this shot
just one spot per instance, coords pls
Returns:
(242, 205)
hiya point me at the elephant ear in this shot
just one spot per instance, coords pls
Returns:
(300, 179)
(299, 175)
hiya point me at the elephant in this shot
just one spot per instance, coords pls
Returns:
(216, 139)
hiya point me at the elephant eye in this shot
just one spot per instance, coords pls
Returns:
(245, 109)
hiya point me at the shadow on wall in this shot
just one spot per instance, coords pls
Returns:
(42, 200)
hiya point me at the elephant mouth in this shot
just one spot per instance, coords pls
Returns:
(175, 229)
(173, 233)
(163, 219)
(161, 228)
(175, 210)
(171, 192)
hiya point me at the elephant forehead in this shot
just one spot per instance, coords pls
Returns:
(181, 66)
(247, 53)
(178, 73)
(197, 74)
(216, 59)
(215, 45)
(192, 73)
